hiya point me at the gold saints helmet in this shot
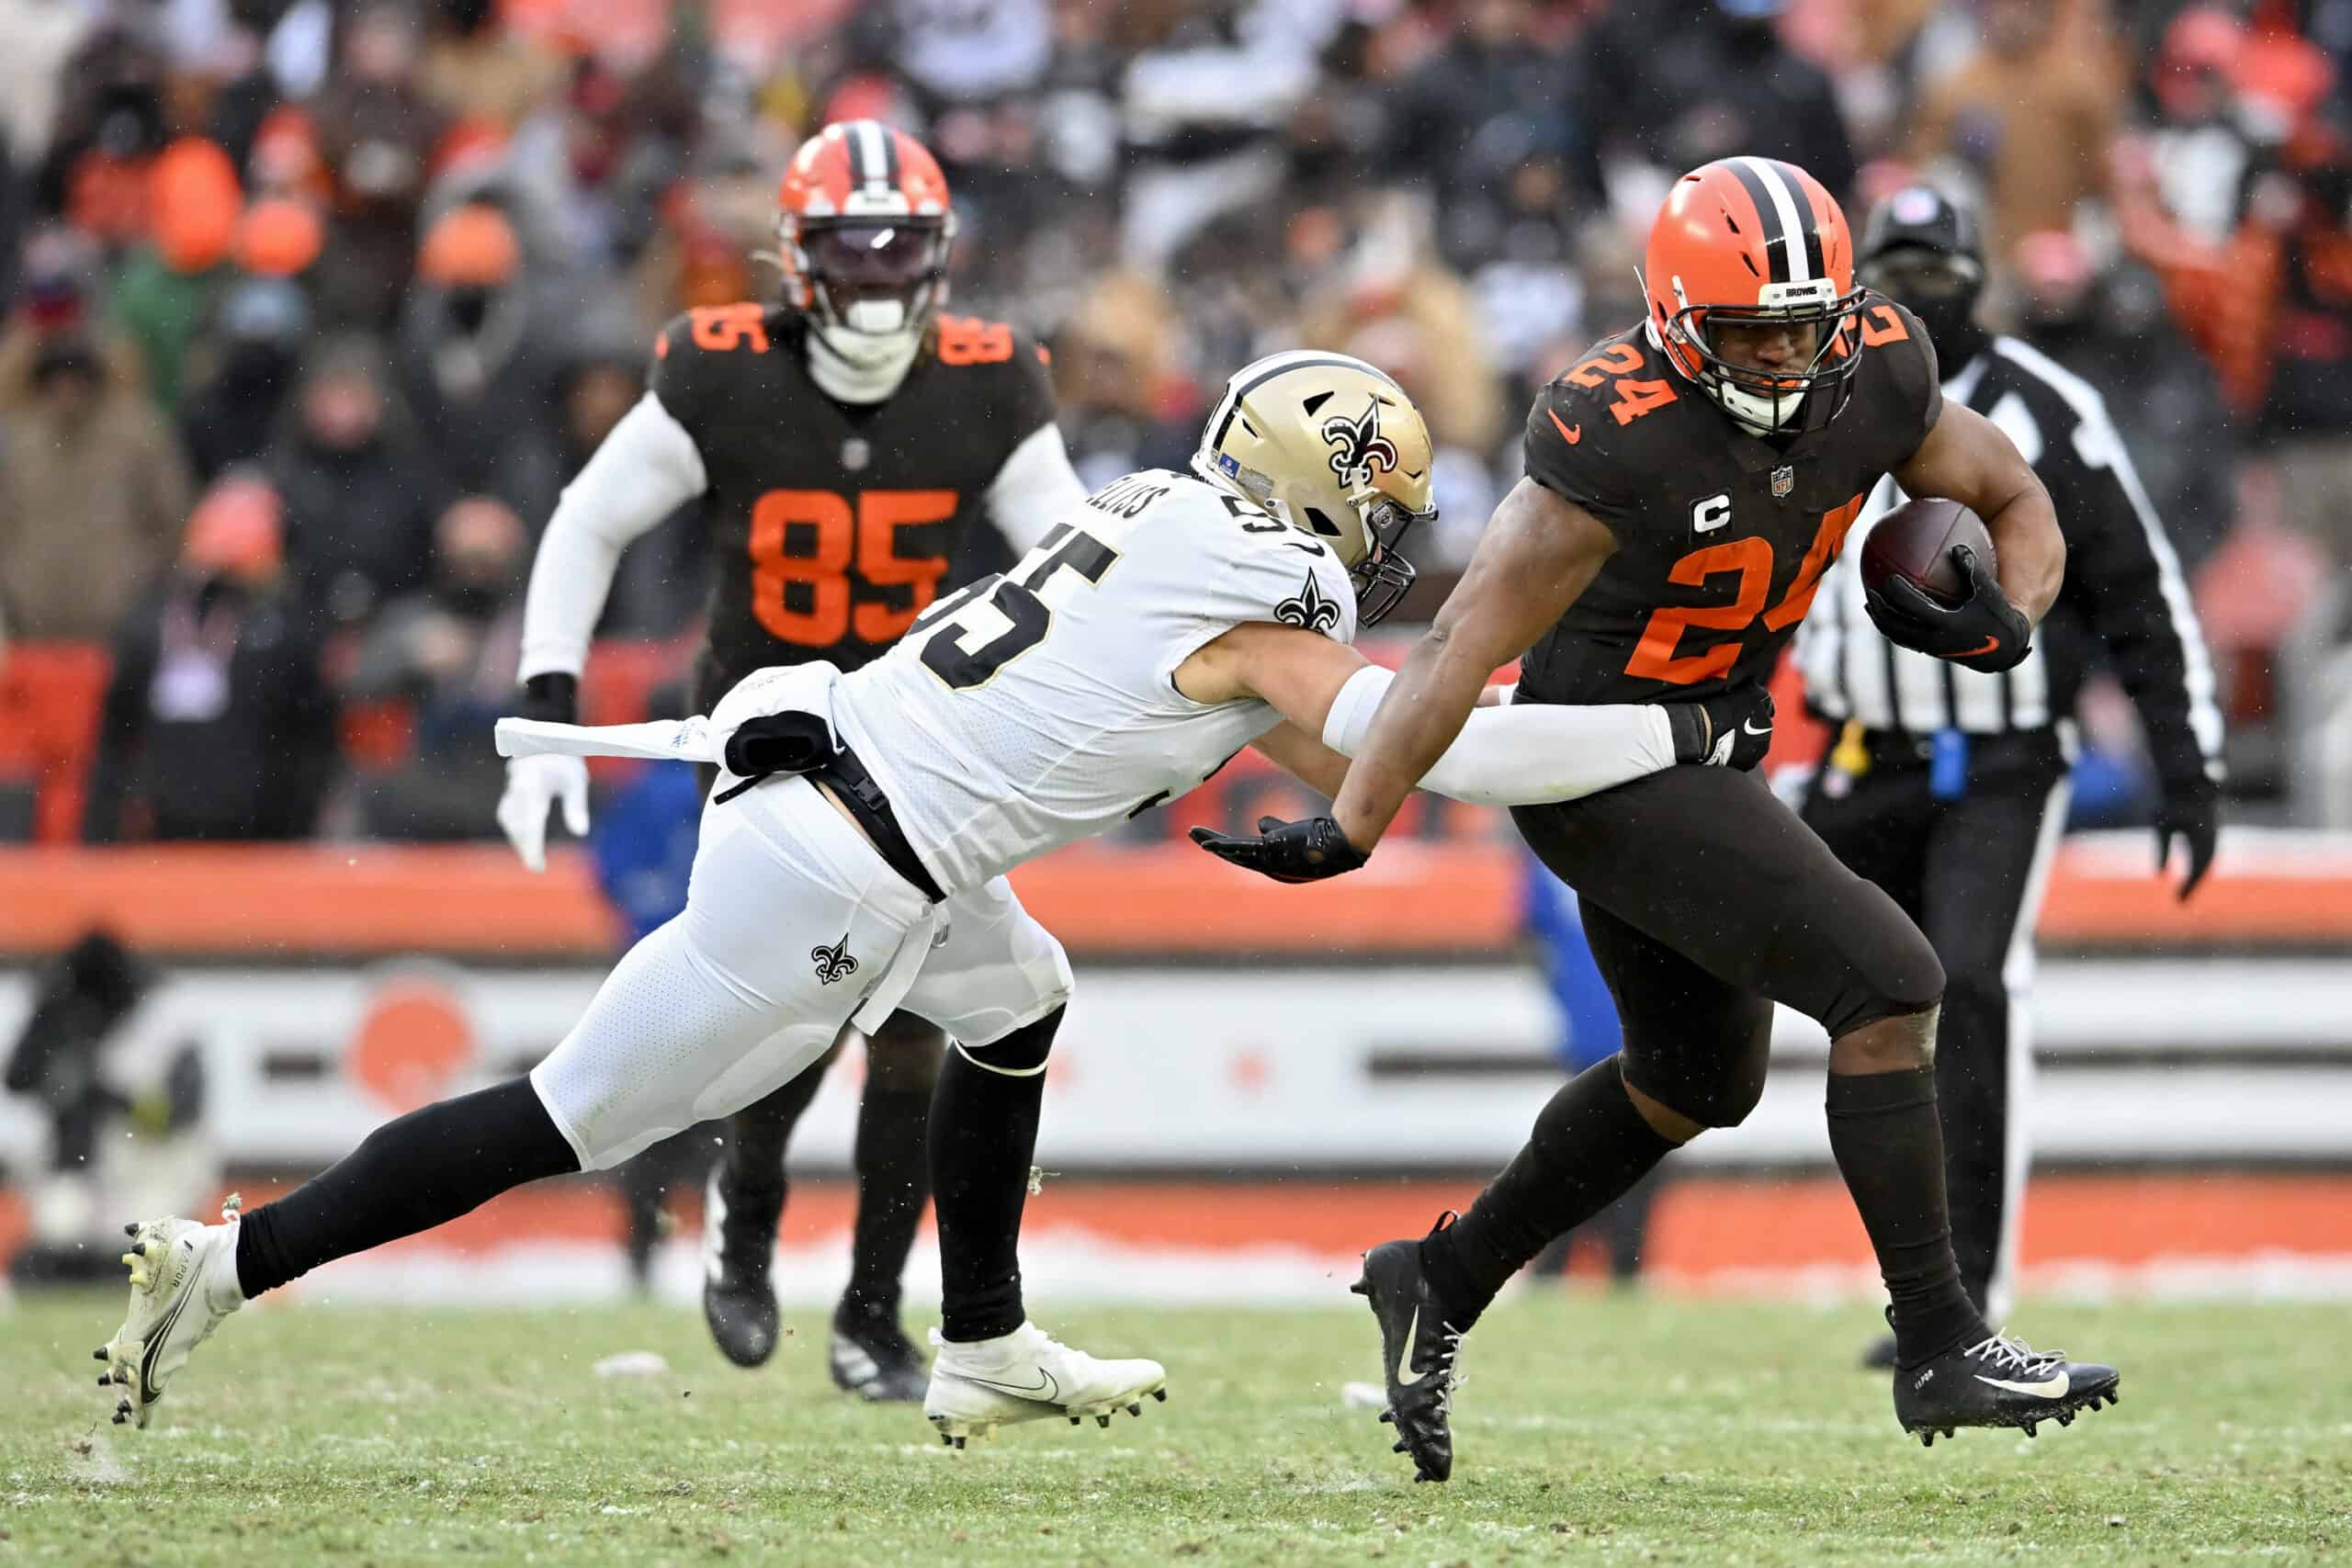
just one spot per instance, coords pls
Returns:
(1333, 448)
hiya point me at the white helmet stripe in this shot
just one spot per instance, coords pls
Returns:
(873, 155)
(1787, 206)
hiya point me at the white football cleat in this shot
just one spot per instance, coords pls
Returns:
(183, 1282)
(1027, 1375)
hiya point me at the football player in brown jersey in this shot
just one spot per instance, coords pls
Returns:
(842, 444)
(1688, 480)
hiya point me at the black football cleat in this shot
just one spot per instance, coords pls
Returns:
(1999, 1381)
(1419, 1354)
(872, 1359)
(1879, 1355)
(738, 1246)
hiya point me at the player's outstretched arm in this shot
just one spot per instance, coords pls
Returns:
(1504, 756)
(1538, 553)
(1969, 459)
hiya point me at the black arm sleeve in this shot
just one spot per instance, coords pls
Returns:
(2121, 573)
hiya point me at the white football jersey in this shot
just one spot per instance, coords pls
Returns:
(1040, 707)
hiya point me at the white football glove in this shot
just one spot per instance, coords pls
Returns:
(534, 783)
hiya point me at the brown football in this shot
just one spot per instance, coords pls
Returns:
(1915, 540)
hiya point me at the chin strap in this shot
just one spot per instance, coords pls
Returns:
(860, 380)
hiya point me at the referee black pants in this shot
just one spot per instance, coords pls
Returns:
(1971, 870)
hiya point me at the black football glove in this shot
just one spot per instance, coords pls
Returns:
(1306, 851)
(1982, 632)
(2193, 814)
(1731, 729)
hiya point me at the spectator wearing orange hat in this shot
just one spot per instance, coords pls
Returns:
(92, 493)
(171, 285)
(217, 724)
(475, 360)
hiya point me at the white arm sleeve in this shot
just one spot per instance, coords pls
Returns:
(1525, 753)
(1035, 486)
(647, 468)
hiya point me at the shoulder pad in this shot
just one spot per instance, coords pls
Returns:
(1616, 381)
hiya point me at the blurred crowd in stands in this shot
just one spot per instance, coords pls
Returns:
(314, 306)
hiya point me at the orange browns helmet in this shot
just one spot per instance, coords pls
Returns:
(1756, 240)
(863, 228)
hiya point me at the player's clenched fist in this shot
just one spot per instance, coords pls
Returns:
(1306, 851)
(1984, 631)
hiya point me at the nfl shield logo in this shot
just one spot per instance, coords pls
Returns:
(1784, 479)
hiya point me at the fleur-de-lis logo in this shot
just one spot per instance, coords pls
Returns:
(834, 963)
(1309, 608)
(1357, 446)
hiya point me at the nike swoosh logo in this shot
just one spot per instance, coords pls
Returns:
(148, 1393)
(1990, 643)
(1412, 1326)
(1045, 1387)
(1571, 434)
(2054, 1388)
(1747, 727)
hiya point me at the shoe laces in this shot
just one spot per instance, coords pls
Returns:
(1449, 1363)
(2005, 1352)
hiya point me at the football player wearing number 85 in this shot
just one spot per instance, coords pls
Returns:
(852, 863)
(842, 444)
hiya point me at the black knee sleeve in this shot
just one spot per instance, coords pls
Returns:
(1715, 1089)
(1890, 969)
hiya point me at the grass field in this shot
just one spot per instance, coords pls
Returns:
(1591, 1429)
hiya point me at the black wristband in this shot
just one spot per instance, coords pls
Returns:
(1693, 729)
(552, 697)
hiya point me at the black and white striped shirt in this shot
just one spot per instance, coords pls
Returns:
(2124, 592)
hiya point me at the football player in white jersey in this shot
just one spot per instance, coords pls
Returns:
(852, 863)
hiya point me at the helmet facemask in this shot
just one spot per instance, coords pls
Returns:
(871, 285)
(1382, 577)
(1788, 400)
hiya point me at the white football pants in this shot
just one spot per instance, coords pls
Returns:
(793, 924)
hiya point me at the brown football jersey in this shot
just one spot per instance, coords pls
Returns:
(832, 526)
(1721, 536)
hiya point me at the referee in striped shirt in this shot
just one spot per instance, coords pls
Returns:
(1947, 786)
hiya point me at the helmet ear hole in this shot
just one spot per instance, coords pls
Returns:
(1322, 523)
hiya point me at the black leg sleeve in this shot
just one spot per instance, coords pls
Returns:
(902, 1066)
(407, 1175)
(753, 1160)
(1590, 1145)
(1883, 1131)
(983, 1139)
